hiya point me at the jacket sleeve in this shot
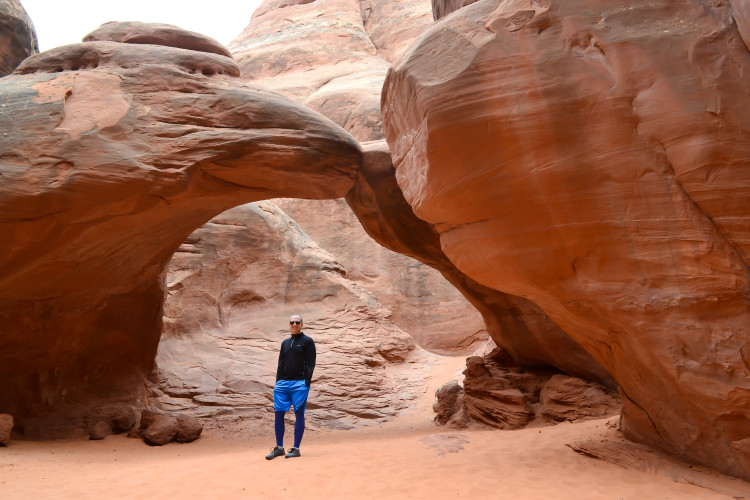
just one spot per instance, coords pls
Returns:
(278, 368)
(309, 362)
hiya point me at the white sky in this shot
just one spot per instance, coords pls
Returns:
(61, 22)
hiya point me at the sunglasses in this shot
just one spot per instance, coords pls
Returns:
(295, 322)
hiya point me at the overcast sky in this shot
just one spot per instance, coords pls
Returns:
(61, 22)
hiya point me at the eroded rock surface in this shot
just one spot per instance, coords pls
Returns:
(165, 35)
(333, 57)
(501, 394)
(327, 35)
(113, 418)
(584, 156)
(232, 287)
(6, 426)
(565, 398)
(112, 154)
(518, 326)
(17, 36)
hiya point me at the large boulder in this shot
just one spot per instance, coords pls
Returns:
(17, 36)
(112, 154)
(595, 159)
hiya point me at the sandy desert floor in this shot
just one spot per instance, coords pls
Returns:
(408, 458)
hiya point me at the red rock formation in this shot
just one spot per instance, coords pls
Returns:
(566, 398)
(441, 8)
(282, 35)
(113, 154)
(232, 287)
(587, 157)
(110, 419)
(165, 35)
(501, 394)
(742, 17)
(331, 56)
(17, 36)
(6, 426)
(517, 325)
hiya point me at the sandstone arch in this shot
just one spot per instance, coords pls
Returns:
(585, 156)
(114, 153)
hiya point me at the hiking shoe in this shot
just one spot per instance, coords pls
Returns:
(293, 452)
(276, 451)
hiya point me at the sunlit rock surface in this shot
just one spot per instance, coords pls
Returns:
(596, 160)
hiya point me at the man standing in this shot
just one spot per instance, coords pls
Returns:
(293, 378)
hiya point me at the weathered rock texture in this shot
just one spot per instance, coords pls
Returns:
(503, 395)
(327, 54)
(420, 300)
(596, 160)
(156, 34)
(232, 287)
(112, 155)
(17, 36)
(449, 406)
(441, 8)
(111, 419)
(6, 426)
(333, 57)
(158, 429)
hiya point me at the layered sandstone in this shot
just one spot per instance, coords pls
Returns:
(333, 57)
(17, 36)
(595, 159)
(112, 155)
(498, 393)
(232, 287)
(321, 54)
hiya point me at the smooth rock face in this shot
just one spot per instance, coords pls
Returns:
(585, 157)
(232, 287)
(518, 326)
(17, 36)
(114, 153)
(351, 41)
(345, 85)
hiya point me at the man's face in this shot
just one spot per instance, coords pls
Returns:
(295, 324)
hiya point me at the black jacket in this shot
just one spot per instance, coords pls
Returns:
(296, 359)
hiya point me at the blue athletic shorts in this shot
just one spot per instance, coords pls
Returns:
(290, 392)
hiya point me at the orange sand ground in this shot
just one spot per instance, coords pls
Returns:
(409, 458)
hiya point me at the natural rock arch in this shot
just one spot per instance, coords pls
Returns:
(117, 152)
(114, 154)
(585, 156)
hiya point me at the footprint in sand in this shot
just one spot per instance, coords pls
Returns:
(446, 442)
